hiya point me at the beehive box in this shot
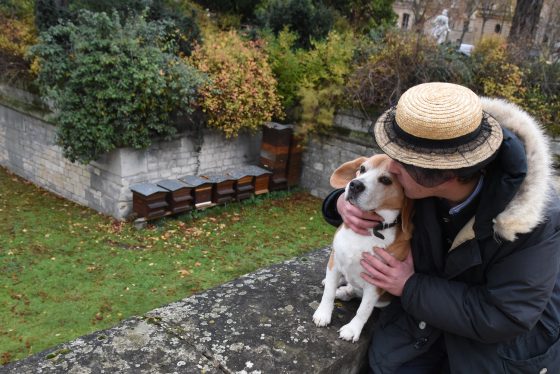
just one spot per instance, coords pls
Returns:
(275, 152)
(180, 195)
(222, 187)
(244, 185)
(262, 178)
(202, 190)
(149, 200)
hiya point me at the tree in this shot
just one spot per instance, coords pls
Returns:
(524, 23)
(470, 8)
(486, 10)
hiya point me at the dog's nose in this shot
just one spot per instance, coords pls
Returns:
(356, 187)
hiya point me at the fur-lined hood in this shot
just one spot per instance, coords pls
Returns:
(526, 210)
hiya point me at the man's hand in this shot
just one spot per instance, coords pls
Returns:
(385, 271)
(358, 220)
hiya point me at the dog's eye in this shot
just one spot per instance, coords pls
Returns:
(362, 169)
(385, 180)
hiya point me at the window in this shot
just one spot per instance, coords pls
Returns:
(498, 28)
(405, 19)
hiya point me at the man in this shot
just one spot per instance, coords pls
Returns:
(480, 292)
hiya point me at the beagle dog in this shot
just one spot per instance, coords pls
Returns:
(370, 187)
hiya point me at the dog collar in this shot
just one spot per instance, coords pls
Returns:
(382, 226)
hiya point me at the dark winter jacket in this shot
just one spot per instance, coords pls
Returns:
(495, 294)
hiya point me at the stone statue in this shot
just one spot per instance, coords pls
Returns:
(441, 27)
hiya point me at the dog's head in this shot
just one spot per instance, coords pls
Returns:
(370, 186)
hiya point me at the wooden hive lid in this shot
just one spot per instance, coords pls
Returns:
(146, 189)
(172, 184)
(256, 171)
(217, 177)
(194, 181)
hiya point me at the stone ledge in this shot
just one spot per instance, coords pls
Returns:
(259, 323)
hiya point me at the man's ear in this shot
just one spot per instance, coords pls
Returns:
(346, 172)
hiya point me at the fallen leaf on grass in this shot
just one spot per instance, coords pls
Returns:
(183, 272)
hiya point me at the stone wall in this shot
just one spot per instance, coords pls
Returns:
(349, 139)
(28, 148)
(259, 323)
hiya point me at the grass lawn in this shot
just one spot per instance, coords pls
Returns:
(66, 270)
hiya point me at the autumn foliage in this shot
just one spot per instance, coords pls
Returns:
(242, 92)
(17, 34)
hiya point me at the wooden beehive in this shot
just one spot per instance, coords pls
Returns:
(295, 162)
(201, 190)
(149, 200)
(244, 185)
(180, 196)
(222, 187)
(275, 147)
(261, 178)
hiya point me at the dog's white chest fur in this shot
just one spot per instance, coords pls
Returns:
(348, 248)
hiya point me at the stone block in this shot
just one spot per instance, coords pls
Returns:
(135, 346)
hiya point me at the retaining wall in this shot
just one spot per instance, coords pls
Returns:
(28, 148)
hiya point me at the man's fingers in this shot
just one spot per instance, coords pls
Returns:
(370, 262)
(386, 256)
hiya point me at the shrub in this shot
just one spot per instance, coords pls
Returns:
(17, 35)
(50, 12)
(326, 67)
(309, 20)
(189, 32)
(390, 63)
(244, 9)
(542, 98)
(495, 74)
(242, 91)
(287, 64)
(113, 85)
(310, 82)
(364, 15)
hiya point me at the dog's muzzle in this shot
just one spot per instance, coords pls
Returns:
(355, 188)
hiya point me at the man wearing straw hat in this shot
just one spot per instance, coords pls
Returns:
(480, 292)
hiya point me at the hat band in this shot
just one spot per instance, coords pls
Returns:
(434, 143)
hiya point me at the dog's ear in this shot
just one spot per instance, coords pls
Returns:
(346, 172)
(406, 217)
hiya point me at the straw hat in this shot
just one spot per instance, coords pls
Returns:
(438, 126)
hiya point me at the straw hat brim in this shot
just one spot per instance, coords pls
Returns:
(467, 155)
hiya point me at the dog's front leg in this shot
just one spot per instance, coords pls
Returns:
(352, 330)
(322, 316)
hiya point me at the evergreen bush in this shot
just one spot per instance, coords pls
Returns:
(309, 20)
(51, 12)
(113, 84)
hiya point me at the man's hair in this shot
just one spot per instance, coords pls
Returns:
(434, 177)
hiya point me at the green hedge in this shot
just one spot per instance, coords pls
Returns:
(113, 84)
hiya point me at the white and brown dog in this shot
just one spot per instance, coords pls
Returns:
(370, 187)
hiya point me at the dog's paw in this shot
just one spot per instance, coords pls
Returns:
(345, 293)
(322, 317)
(350, 333)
